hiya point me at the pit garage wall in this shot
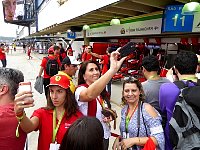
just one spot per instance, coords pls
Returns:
(51, 13)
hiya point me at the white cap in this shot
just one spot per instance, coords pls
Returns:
(73, 60)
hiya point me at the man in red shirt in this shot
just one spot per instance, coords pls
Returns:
(3, 55)
(9, 83)
(53, 54)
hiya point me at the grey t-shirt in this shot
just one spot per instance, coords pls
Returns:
(151, 90)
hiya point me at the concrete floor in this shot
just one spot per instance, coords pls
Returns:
(30, 68)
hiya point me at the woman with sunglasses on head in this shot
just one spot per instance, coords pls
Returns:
(91, 94)
(140, 122)
(51, 121)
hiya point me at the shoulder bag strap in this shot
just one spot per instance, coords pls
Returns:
(143, 119)
(138, 119)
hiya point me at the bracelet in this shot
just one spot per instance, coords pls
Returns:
(19, 118)
(20, 114)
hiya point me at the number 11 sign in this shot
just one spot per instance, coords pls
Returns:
(173, 21)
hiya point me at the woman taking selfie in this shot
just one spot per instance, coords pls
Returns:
(51, 121)
(140, 122)
(91, 94)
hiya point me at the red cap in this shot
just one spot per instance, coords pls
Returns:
(70, 50)
(60, 80)
(50, 50)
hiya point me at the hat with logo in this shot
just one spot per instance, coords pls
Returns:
(70, 60)
(51, 50)
(60, 80)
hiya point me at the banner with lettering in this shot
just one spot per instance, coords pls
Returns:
(147, 27)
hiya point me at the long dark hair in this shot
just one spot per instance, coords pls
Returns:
(85, 133)
(104, 94)
(70, 103)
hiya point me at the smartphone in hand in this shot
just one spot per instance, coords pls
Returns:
(25, 86)
(127, 49)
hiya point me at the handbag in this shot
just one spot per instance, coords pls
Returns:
(39, 85)
(150, 145)
(107, 112)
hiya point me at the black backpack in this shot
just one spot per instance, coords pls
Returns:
(52, 66)
(184, 126)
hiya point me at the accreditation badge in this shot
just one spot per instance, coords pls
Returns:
(125, 135)
(54, 146)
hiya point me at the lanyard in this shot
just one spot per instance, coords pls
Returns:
(101, 101)
(55, 128)
(152, 77)
(129, 118)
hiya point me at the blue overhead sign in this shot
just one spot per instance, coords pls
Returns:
(71, 35)
(173, 21)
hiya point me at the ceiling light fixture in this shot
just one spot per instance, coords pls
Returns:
(190, 8)
(86, 27)
(115, 21)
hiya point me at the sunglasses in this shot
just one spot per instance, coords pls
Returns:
(130, 78)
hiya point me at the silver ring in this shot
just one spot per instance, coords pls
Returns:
(22, 103)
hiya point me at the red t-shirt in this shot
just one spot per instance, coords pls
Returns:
(86, 56)
(29, 52)
(8, 125)
(105, 59)
(46, 127)
(44, 62)
(2, 55)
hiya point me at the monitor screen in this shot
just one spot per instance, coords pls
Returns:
(13, 10)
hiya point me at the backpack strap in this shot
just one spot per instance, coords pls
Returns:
(190, 131)
(180, 84)
(198, 82)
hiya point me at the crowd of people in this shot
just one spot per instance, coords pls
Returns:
(73, 117)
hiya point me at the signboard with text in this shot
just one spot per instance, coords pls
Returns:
(147, 27)
(174, 21)
(79, 34)
(196, 23)
(71, 35)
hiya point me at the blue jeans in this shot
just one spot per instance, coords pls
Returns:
(4, 62)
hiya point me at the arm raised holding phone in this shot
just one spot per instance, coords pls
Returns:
(61, 111)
